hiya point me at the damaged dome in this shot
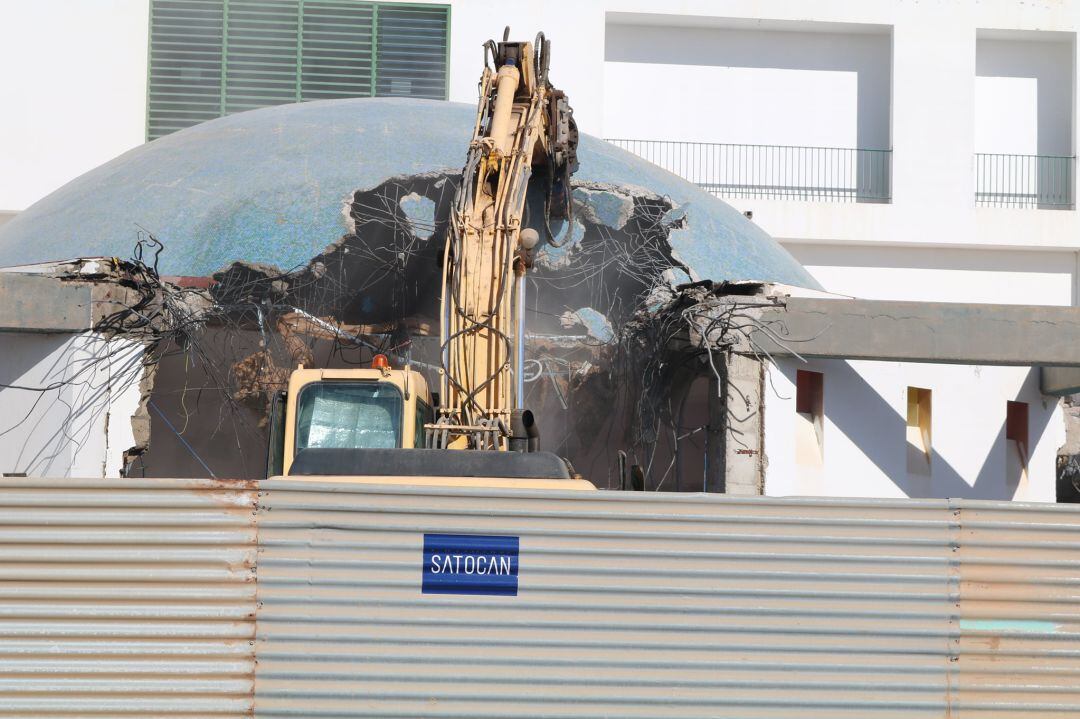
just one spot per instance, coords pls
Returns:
(323, 226)
(269, 186)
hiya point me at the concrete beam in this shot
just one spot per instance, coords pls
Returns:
(950, 333)
(1059, 381)
(40, 303)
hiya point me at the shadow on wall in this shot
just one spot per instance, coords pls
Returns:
(57, 393)
(866, 417)
(1048, 66)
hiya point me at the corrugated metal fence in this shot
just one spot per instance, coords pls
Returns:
(127, 598)
(137, 596)
(636, 605)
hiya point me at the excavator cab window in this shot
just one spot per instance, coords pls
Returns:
(349, 415)
(275, 451)
(424, 415)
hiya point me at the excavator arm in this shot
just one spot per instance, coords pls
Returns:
(524, 142)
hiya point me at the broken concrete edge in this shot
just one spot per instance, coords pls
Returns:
(66, 296)
(436, 175)
(552, 253)
(85, 266)
(140, 419)
(93, 296)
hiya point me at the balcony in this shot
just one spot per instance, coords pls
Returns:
(1030, 181)
(783, 172)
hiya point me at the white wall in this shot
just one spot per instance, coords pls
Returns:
(941, 274)
(68, 413)
(865, 446)
(821, 89)
(576, 31)
(1007, 115)
(74, 72)
(73, 83)
(1023, 97)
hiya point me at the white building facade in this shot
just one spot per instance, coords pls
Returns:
(899, 150)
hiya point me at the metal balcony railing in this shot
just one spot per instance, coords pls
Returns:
(1040, 181)
(832, 174)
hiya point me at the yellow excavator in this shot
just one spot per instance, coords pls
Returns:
(384, 424)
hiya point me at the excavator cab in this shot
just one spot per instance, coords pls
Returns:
(350, 409)
(368, 426)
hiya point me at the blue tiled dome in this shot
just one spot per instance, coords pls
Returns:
(271, 185)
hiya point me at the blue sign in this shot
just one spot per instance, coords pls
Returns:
(470, 564)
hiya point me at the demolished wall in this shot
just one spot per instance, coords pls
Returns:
(376, 290)
(173, 378)
(74, 379)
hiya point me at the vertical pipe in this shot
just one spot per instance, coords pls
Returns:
(519, 363)
(445, 329)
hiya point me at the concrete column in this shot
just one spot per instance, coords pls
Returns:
(715, 440)
(744, 460)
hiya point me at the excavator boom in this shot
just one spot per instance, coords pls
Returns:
(524, 141)
(380, 421)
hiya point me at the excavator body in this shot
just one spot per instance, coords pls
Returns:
(384, 424)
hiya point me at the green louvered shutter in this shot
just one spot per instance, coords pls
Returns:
(260, 53)
(336, 49)
(214, 57)
(185, 64)
(412, 48)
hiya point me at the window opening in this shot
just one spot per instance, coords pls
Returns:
(919, 422)
(810, 408)
(1016, 441)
